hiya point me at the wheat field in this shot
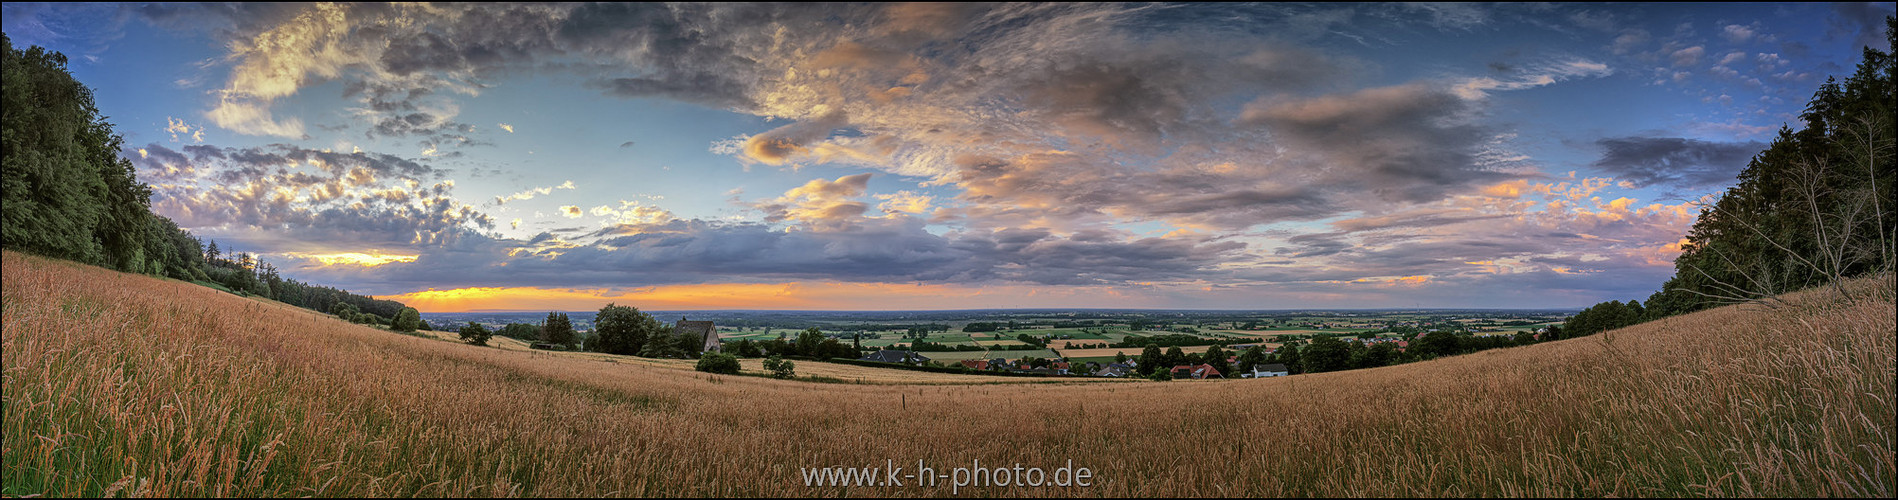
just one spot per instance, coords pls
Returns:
(826, 372)
(124, 385)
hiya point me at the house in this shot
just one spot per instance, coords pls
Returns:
(1200, 371)
(896, 356)
(1114, 370)
(1267, 370)
(1060, 366)
(701, 329)
(976, 364)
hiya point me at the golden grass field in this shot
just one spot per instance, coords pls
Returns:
(124, 385)
(853, 374)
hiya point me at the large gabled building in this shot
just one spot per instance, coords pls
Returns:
(705, 330)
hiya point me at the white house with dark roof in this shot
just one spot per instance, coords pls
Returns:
(1267, 370)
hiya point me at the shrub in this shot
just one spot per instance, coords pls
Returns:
(718, 362)
(406, 320)
(779, 368)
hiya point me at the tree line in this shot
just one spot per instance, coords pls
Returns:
(1812, 209)
(69, 194)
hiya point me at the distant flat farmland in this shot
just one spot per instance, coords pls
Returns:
(1109, 351)
(949, 356)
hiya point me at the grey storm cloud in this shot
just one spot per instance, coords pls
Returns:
(1410, 142)
(1673, 161)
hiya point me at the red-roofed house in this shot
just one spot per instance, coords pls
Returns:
(1201, 371)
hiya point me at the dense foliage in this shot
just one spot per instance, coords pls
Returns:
(624, 330)
(718, 362)
(1812, 209)
(69, 194)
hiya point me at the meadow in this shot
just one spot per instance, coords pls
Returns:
(126, 385)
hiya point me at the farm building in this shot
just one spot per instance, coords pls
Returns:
(702, 329)
(896, 356)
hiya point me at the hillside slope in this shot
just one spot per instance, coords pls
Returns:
(120, 384)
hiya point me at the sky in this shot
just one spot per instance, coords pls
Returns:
(952, 156)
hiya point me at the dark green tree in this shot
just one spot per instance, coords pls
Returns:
(1252, 357)
(557, 329)
(1217, 357)
(1150, 358)
(406, 320)
(1325, 354)
(622, 330)
(1437, 344)
(476, 334)
(809, 341)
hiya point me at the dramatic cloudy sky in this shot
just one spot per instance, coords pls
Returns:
(921, 156)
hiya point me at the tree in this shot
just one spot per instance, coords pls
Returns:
(744, 348)
(521, 331)
(809, 341)
(1251, 358)
(1813, 208)
(475, 334)
(779, 367)
(622, 330)
(718, 362)
(1217, 357)
(1326, 354)
(1380, 354)
(407, 320)
(670, 345)
(344, 310)
(1120, 357)
(1437, 344)
(1288, 355)
(1161, 375)
(1150, 358)
(557, 330)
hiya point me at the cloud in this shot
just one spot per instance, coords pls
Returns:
(290, 199)
(530, 193)
(820, 204)
(572, 212)
(1674, 162)
(1862, 22)
(508, 128)
(1535, 76)
(1408, 142)
(1687, 57)
(780, 145)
